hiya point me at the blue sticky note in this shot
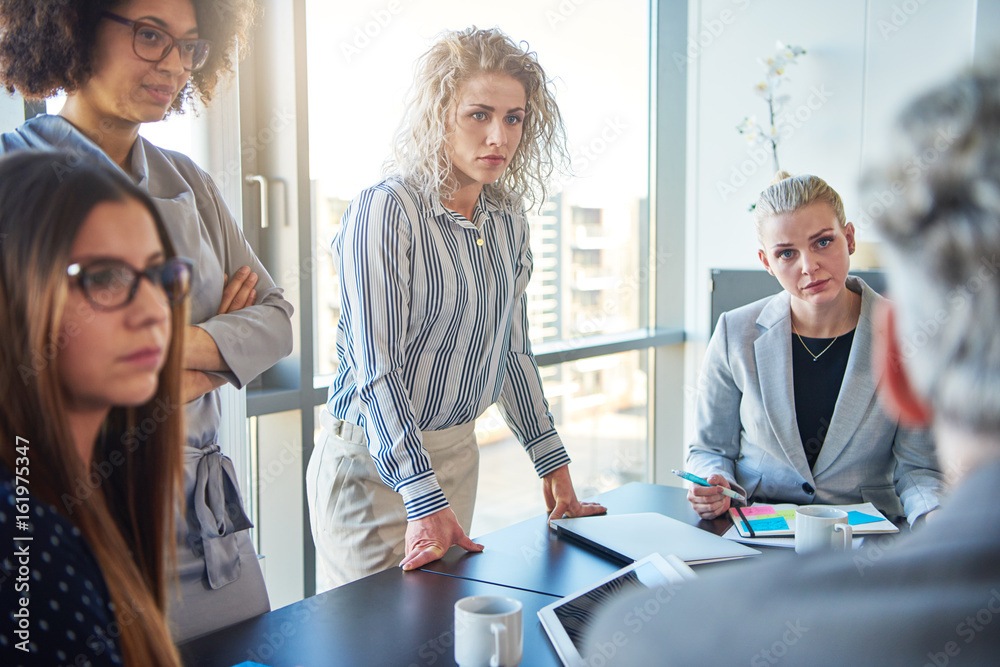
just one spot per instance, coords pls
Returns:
(856, 518)
(774, 523)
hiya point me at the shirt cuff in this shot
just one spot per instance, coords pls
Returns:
(217, 331)
(547, 453)
(422, 496)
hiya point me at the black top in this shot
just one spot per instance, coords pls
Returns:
(69, 619)
(817, 385)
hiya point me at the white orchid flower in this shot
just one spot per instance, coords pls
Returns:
(775, 67)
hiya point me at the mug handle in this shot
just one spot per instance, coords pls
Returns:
(499, 631)
(847, 532)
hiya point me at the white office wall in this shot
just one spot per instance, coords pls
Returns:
(864, 60)
(907, 54)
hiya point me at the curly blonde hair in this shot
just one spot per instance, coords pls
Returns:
(419, 154)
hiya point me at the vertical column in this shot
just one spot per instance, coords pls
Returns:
(667, 203)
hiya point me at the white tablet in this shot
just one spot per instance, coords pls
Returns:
(566, 621)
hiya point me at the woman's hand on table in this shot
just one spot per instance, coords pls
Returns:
(428, 539)
(706, 500)
(560, 497)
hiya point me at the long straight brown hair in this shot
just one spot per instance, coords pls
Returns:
(124, 503)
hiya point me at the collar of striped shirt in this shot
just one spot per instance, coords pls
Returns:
(431, 204)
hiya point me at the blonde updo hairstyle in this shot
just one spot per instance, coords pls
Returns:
(786, 193)
(419, 156)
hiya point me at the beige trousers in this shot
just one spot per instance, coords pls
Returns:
(358, 523)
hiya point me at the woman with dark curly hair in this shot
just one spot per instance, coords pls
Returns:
(122, 64)
(434, 262)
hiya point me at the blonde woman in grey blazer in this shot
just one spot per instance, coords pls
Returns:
(771, 423)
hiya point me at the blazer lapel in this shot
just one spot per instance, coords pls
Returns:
(773, 356)
(858, 386)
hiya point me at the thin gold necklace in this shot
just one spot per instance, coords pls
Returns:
(817, 356)
(814, 356)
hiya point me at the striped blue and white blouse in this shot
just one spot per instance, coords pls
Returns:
(432, 331)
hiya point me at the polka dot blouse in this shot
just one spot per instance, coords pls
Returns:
(53, 599)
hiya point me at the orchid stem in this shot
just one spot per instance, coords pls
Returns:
(774, 146)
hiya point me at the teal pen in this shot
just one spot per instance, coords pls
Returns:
(704, 482)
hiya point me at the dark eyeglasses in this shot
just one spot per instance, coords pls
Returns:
(153, 44)
(110, 284)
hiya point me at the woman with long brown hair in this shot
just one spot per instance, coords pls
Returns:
(93, 305)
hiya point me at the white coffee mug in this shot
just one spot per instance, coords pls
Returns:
(821, 528)
(488, 631)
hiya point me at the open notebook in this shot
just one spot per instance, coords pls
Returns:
(760, 520)
(630, 537)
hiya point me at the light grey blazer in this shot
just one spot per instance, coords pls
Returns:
(747, 429)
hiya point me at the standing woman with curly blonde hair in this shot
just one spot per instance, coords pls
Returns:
(122, 64)
(433, 263)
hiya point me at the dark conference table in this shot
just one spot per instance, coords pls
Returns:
(406, 618)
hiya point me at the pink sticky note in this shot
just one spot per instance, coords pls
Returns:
(758, 509)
